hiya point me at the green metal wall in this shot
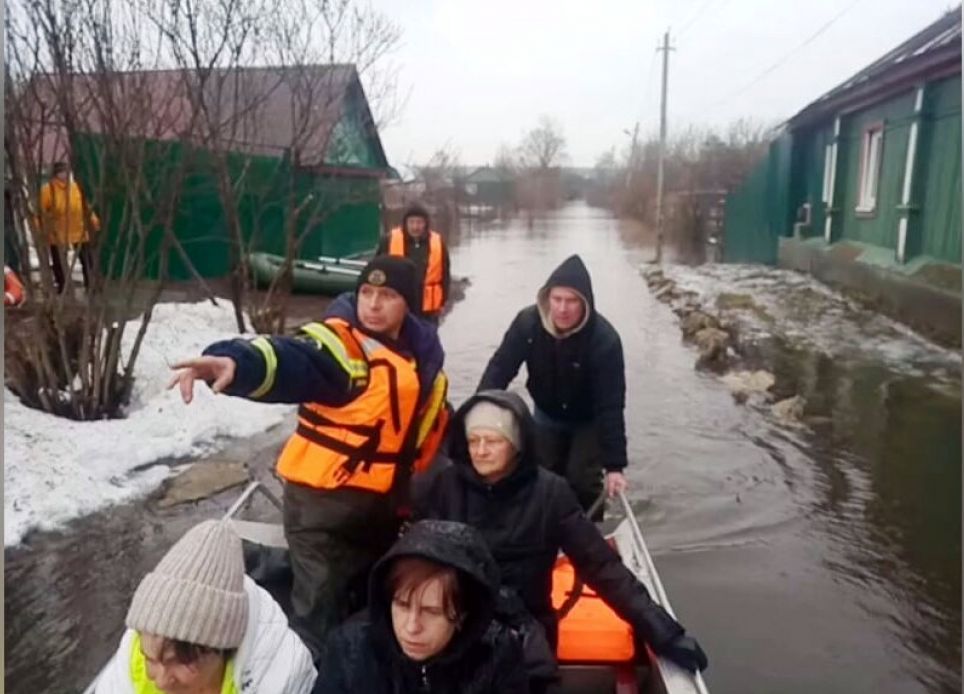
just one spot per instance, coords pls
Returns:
(879, 227)
(764, 207)
(339, 215)
(940, 169)
(759, 210)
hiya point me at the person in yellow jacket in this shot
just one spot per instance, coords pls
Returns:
(66, 222)
(416, 240)
(372, 392)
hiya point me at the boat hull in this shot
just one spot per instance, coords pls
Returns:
(307, 277)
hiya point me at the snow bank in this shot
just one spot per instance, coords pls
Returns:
(57, 469)
(812, 314)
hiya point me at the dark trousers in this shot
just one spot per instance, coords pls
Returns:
(334, 537)
(58, 256)
(572, 451)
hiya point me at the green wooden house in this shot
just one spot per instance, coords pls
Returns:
(872, 168)
(297, 145)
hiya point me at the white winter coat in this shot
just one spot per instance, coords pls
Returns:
(271, 658)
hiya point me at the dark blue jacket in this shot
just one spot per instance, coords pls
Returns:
(307, 372)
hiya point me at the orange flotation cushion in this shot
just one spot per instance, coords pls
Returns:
(590, 632)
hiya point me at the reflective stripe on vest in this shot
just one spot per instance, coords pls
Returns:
(359, 444)
(433, 420)
(432, 293)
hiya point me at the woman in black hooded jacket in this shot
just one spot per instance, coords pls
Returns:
(527, 515)
(480, 657)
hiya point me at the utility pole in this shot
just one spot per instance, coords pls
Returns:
(665, 48)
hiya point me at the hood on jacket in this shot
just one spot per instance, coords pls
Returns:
(417, 337)
(571, 274)
(459, 446)
(416, 210)
(450, 544)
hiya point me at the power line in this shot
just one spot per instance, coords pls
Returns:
(787, 56)
(693, 19)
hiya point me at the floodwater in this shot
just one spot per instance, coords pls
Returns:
(825, 558)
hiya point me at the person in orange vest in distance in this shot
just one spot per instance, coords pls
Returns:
(62, 207)
(372, 392)
(415, 240)
(12, 287)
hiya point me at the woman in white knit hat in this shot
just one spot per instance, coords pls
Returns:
(198, 625)
(527, 515)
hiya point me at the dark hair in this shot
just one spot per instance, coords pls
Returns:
(59, 167)
(187, 653)
(409, 573)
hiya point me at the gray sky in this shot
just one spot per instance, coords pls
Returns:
(479, 73)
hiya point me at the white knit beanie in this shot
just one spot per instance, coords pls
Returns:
(487, 415)
(196, 592)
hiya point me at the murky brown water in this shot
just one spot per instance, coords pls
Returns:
(815, 560)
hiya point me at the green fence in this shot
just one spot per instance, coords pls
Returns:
(758, 212)
(331, 215)
(940, 182)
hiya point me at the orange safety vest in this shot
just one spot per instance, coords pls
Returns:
(432, 292)
(362, 444)
(590, 632)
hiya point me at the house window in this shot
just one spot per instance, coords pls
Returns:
(871, 155)
(827, 173)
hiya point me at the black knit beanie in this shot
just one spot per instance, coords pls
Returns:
(394, 272)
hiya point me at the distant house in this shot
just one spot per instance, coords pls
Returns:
(486, 186)
(300, 145)
(863, 186)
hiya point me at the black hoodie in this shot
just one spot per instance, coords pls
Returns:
(577, 377)
(483, 657)
(417, 250)
(526, 519)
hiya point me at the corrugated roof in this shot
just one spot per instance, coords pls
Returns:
(263, 111)
(937, 42)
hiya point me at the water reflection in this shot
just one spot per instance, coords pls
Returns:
(819, 559)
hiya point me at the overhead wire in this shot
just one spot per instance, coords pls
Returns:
(782, 60)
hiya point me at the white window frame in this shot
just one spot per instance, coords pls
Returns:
(827, 173)
(871, 159)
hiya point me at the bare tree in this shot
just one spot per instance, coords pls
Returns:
(700, 162)
(292, 114)
(90, 81)
(544, 146)
(540, 154)
(506, 166)
(441, 178)
(73, 91)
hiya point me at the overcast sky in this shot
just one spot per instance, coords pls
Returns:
(480, 72)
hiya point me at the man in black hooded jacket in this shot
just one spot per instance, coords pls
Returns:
(577, 380)
(526, 517)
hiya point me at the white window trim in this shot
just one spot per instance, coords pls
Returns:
(827, 173)
(871, 160)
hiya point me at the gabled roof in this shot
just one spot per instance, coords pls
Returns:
(484, 174)
(264, 111)
(936, 50)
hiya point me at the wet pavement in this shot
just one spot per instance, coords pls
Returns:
(825, 558)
